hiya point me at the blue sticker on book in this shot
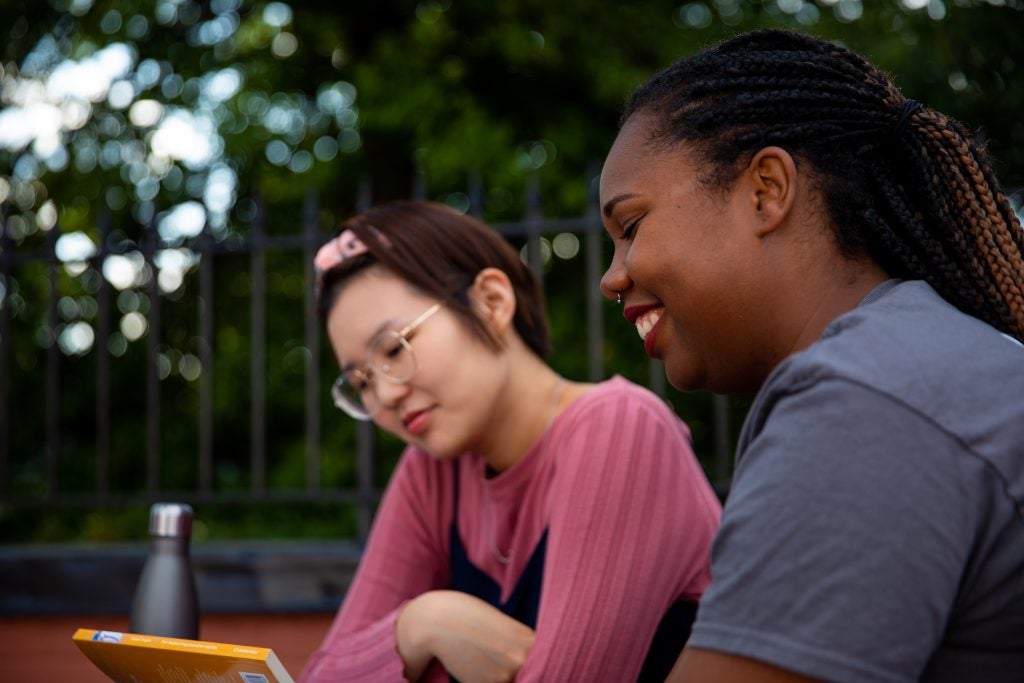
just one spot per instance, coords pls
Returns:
(108, 636)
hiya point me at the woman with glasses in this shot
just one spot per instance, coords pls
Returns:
(535, 528)
(786, 221)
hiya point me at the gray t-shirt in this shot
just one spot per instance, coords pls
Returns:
(875, 527)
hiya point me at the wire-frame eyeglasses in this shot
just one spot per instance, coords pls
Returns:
(390, 357)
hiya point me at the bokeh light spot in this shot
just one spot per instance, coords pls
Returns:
(566, 245)
(76, 339)
(133, 325)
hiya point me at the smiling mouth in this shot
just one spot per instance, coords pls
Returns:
(646, 322)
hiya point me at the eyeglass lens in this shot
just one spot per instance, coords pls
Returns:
(391, 359)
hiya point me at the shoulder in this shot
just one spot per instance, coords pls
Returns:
(622, 446)
(907, 335)
(911, 348)
(618, 398)
(621, 421)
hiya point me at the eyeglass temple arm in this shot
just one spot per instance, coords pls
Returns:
(419, 321)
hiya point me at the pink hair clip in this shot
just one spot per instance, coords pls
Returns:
(344, 246)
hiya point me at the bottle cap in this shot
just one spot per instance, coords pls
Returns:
(170, 519)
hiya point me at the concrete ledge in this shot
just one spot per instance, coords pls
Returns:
(231, 577)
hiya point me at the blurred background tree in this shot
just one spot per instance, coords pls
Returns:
(179, 114)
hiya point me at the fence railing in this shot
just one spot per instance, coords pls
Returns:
(210, 249)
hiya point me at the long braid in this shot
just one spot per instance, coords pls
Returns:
(903, 184)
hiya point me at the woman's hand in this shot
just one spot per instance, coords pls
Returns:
(474, 641)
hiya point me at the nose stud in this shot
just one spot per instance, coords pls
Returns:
(618, 297)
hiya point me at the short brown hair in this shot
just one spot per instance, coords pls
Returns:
(440, 251)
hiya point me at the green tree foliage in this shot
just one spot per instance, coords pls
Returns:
(177, 114)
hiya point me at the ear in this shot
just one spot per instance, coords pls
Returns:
(494, 300)
(773, 178)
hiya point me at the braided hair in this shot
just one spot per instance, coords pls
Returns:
(903, 184)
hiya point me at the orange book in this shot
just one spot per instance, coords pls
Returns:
(135, 658)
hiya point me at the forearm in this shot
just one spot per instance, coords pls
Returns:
(469, 637)
(413, 637)
(368, 654)
(402, 560)
(695, 665)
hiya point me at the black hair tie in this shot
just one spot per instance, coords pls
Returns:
(908, 109)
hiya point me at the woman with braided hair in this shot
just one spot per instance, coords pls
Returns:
(785, 221)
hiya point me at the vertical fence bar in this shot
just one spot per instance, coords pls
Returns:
(205, 246)
(7, 284)
(52, 369)
(419, 183)
(103, 362)
(475, 192)
(595, 303)
(365, 434)
(656, 377)
(257, 332)
(150, 242)
(312, 334)
(533, 217)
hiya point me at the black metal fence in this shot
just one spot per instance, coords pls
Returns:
(210, 250)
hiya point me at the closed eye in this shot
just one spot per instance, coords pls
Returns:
(358, 379)
(629, 230)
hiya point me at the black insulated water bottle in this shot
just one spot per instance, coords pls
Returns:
(166, 603)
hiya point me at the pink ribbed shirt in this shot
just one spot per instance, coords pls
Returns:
(630, 517)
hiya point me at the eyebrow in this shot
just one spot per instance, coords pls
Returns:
(611, 203)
